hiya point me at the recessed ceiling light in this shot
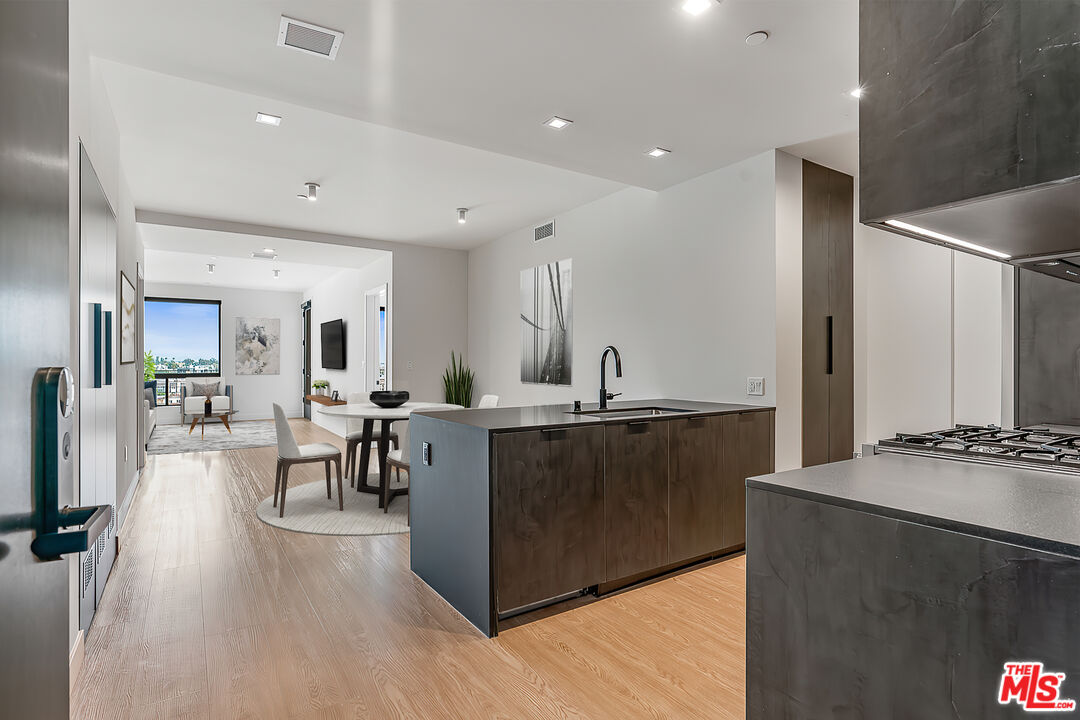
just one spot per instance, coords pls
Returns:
(856, 93)
(268, 250)
(946, 238)
(757, 38)
(461, 215)
(657, 152)
(267, 119)
(696, 7)
(558, 123)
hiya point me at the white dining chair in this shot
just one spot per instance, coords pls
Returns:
(354, 433)
(289, 454)
(398, 460)
(488, 401)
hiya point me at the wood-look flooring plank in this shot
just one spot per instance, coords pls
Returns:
(211, 613)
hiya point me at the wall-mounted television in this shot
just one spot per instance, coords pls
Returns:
(333, 345)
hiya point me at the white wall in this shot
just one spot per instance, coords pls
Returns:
(341, 296)
(682, 281)
(789, 302)
(253, 395)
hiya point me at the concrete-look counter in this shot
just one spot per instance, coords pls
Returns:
(899, 586)
(531, 417)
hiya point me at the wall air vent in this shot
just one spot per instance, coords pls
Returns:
(545, 231)
(264, 255)
(309, 38)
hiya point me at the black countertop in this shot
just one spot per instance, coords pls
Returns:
(1032, 508)
(553, 416)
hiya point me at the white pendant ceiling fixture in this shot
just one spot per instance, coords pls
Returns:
(312, 193)
(461, 215)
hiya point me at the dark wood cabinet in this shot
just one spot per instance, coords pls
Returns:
(636, 497)
(549, 513)
(828, 398)
(749, 450)
(696, 492)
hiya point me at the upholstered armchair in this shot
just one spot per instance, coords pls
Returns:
(192, 404)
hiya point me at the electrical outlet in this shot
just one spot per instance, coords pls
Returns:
(409, 365)
(755, 386)
(427, 453)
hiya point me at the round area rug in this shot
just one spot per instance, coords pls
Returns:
(308, 510)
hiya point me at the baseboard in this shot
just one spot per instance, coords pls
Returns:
(122, 511)
(75, 661)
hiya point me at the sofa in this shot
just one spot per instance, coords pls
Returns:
(149, 404)
(192, 404)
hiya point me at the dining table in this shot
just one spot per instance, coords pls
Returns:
(369, 412)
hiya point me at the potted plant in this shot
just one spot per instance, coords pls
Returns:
(458, 382)
(149, 367)
(320, 387)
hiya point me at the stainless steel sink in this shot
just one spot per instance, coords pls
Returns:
(623, 413)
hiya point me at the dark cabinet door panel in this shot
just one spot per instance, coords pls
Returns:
(636, 497)
(696, 491)
(816, 313)
(549, 515)
(748, 451)
(842, 308)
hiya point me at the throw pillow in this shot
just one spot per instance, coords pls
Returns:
(150, 390)
(207, 390)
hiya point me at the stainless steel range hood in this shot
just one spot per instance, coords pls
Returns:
(970, 126)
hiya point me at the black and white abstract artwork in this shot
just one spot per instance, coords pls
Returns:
(258, 346)
(547, 315)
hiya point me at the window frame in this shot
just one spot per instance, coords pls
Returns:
(167, 376)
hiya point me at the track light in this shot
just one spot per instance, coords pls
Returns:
(461, 215)
(312, 193)
(277, 274)
(210, 268)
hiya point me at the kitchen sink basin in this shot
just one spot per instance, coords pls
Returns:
(624, 413)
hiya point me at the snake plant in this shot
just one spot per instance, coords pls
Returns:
(458, 382)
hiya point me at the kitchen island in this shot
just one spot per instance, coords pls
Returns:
(897, 586)
(516, 507)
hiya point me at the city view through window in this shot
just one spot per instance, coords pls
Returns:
(184, 338)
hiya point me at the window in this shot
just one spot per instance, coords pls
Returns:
(184, 337)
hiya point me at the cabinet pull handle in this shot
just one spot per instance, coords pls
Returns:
(549, 432)
(829, 345)
(638, 423)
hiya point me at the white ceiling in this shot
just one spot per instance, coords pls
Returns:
(434, 105)
(180, 255)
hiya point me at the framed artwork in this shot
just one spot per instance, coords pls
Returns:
(547, 319)
(127, 320)
(258, 346)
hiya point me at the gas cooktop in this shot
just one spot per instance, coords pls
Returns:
(1042, 448)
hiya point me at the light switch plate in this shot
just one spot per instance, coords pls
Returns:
(755, 386)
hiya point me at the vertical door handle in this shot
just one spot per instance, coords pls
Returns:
(829, 344)
(108, 347)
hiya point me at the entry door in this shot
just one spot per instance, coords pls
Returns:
(35, 327)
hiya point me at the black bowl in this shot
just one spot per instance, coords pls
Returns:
(390, 398)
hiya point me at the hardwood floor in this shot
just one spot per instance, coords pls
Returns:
(212, 614)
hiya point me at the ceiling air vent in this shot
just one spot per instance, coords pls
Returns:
(309, 38)
(545, 231)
